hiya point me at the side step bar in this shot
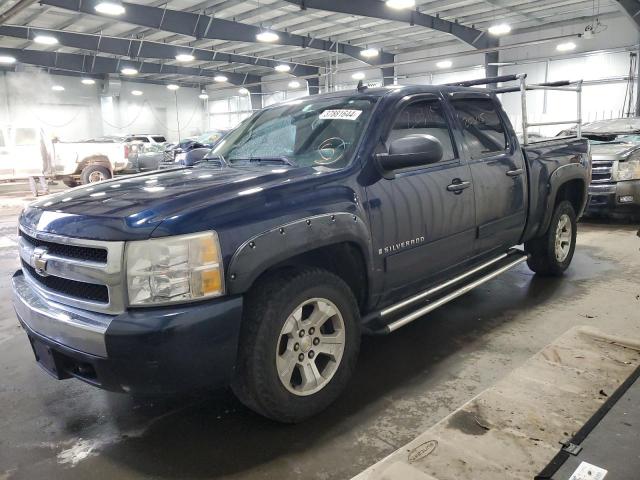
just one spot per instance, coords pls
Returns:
(513, 258)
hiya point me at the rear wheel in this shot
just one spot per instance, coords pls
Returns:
(299, 344)
(551, 254)
(94, 173)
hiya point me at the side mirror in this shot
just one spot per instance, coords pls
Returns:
(411, 151)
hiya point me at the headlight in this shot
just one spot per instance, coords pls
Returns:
(174, 269)
(629, 170)
(180, 157)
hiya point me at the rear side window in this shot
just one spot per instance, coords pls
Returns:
(424, 117)
(482, 128)
(26, 137)
(159, 139)
(139, 139)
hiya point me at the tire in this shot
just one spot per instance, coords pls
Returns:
(94, 173)
(544, 258)
(273, 341)
(70, 182)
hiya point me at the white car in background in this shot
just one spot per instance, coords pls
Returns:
(28, 151)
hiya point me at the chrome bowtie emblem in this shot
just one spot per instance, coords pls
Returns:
(38, 262)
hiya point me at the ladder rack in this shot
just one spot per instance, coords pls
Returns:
(523, 88)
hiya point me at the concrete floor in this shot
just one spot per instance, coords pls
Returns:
(404, 383)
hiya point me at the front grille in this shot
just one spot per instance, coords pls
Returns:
(602, 171)
(69, 251)
(167, 159)
(73, 288)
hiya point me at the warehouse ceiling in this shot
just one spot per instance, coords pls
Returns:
(221, 34)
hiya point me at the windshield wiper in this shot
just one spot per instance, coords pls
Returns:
(283, 160)
(213, 158)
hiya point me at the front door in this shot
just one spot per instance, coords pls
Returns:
(423, 220)
(497, 169)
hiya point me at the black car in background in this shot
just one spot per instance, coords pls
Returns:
(178, 154)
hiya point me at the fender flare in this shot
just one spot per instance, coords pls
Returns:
(560, 176)
(263, 251)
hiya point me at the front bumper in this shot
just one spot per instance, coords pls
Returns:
(619, 197)
(145, 351)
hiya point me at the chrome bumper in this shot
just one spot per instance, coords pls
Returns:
(69, 326)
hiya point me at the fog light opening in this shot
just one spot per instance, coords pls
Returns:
(626, 199)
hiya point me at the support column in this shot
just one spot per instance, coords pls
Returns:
(388, 76)
(637, 84)
(255, 94)
(313, 85)
(491, 70)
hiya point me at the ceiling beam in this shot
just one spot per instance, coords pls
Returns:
(133, 48)
(377, 9)
(207, 27)
(95, 65)
(632, 9)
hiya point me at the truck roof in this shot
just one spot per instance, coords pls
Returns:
(388, 91)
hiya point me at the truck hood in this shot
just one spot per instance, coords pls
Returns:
(132, 207)
(613, 151)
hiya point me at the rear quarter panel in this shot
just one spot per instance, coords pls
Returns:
(550, 164)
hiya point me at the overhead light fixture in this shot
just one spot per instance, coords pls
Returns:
(501, 64)
(566, 47)
(500, 29)
(45, 40)
(283, 67)
(185, 57)
(220, 78)
(267, 36)
(243, 91)
(136, 93)
(294, 84)
(57, 88)
(444, 64)
(358, 76)
(173, 87)
(203, 95)
(7, 59)
(129, 71)
(369, 53)
(110, 7)
(400, 4)
(88, 81)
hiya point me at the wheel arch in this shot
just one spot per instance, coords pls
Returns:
(101, 160)
(337, 242)
(568, 182)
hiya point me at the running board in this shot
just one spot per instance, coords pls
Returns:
(475, 276)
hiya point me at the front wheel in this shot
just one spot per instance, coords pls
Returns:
(551, 254)
(299, 344)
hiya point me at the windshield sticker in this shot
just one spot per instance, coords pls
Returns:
(340, 115)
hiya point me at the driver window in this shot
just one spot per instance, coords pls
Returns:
(424, 117)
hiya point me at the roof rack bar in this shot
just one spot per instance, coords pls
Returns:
(486, 81)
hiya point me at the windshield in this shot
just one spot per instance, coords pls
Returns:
(300, 133)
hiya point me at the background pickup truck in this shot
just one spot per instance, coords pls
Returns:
(615, 146)
(314, 221)
(28, 151)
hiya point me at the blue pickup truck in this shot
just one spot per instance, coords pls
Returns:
(315, 221)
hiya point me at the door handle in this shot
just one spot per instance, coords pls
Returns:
(458, 186)
(515, 173)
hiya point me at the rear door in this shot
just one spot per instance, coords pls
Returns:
(423, 219)
(497, 168)
(27, 152)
